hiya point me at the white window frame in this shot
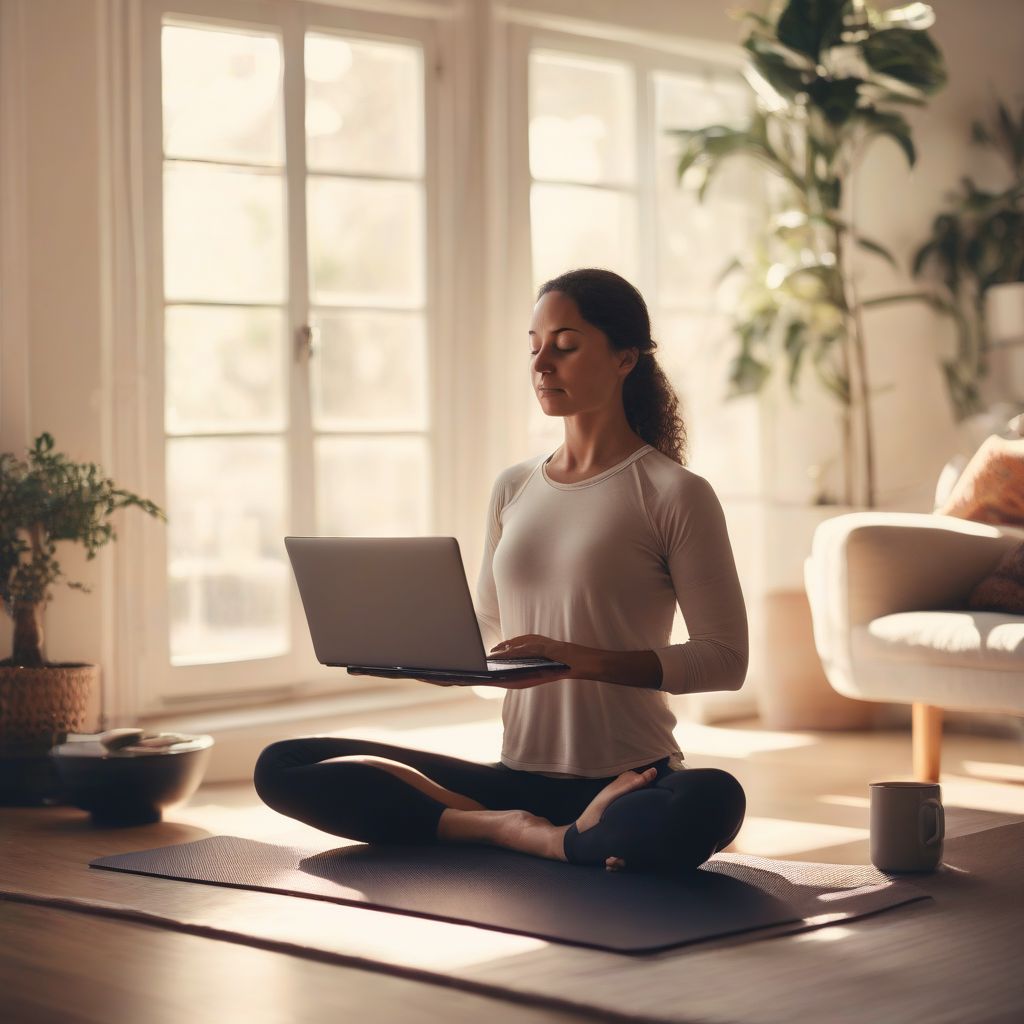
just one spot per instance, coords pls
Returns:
(479, 287)
(525, 36)
(168, 687)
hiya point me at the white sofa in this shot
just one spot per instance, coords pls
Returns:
(888, 594)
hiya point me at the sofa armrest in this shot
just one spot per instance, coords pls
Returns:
(867, 564)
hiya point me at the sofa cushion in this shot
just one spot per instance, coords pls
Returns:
(957, 639)
(961, 671)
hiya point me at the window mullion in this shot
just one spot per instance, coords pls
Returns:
(646, 179)
(300, 439)
(300, 421)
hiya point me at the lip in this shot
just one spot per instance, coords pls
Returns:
(543, 389)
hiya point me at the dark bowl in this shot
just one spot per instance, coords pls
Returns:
(131, 786)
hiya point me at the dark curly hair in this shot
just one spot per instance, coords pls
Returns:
(613, 305)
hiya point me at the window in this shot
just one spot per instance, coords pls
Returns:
(225, 331)
(583, 189)
(295, 318)
(604, 192)
(343, 290)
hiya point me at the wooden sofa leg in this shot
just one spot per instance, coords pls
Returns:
(927, 742)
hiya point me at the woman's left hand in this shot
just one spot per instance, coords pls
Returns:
(533, 646)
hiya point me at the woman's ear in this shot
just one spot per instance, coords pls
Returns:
(630, 357)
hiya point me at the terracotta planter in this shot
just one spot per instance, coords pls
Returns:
(38, 708)
(795, 694)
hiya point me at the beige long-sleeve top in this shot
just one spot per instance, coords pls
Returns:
(603, 563)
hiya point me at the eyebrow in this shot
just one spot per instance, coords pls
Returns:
(558, 330)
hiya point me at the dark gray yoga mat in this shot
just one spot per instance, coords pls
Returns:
(506, 891)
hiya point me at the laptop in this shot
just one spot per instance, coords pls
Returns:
(395, 607)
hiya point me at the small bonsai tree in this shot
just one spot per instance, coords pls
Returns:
(45, 499)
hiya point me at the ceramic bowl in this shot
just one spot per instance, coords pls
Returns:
(132, 785)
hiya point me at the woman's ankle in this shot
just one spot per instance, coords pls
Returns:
(510, 830)
(459, 826)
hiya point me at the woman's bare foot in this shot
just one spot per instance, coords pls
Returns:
(529, 833)
(625, 783)
(512, 830)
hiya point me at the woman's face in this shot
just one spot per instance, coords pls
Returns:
(573, 367)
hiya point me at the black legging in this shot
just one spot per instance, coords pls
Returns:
(676, 822)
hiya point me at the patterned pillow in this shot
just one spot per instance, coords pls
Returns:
(1003, 589)
(991, 487)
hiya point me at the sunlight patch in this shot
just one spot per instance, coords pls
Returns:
(779, 837)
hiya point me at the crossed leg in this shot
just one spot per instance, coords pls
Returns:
(360, 790)
(530, 833)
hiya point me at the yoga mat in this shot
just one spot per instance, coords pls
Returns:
(498, 889)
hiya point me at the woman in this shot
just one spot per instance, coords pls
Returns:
(587, 553)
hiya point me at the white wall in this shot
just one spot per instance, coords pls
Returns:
(55, 271)
(51, 65)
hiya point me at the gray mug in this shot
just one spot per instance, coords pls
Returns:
(907, 826)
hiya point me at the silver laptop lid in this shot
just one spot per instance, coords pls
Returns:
(387, 601)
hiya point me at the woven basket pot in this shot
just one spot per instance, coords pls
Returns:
(38, 708)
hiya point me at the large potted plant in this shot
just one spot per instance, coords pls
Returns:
(830, 76)
(45, 499)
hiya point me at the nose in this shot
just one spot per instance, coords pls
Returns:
(542, 361)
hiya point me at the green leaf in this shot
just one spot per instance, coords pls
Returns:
(837, 99)
(713, 145)
(788, 81)
(908, 56)
(980, 134)
(795, 345)
(747, 375)
(811, 25)
(892, 124)
(730, 268)
(878, 250)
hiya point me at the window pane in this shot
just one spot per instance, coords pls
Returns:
(223, 234)
(697, 240)
(696, 101)
(225, 369)
(364, 106)
(370, 372)
(695, 352)
(581, 119)
(228, 574)
(366, 243)
(222, 95)
(373, 487)
(581, 227)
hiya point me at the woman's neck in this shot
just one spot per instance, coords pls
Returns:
(592, 447)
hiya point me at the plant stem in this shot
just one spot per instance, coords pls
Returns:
(860, 394)
(28, 636)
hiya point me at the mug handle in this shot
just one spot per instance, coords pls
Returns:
(939, 820)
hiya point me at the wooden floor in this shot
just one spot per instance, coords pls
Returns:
(807, 800)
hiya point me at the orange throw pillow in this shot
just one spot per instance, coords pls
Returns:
(1003, 589)
(991, 487)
